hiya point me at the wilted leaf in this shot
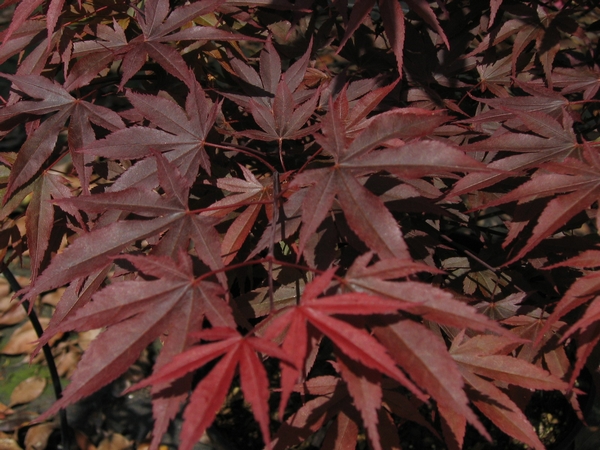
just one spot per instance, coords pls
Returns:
(23, 340)
(115, 442)
(27, 390)
(37, 436)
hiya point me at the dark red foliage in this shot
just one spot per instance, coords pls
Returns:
(398, 176)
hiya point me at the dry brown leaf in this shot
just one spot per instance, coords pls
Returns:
(17, 420)
(27, 390)
(11, 312)
(4, 287)
(23, 339)
(53, 298)
(38, 435)
(5, 411)
(146, 446)
(115, 442)
(66, 361)
(86, 338)
(83, 441)
(9, 444)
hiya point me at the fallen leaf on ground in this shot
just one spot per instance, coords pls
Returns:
(66, 361)
(115, 442)
(5, 411)
(86, 338)
(17, 420)
(27, 390)
(53, 298)
(38, 435)
(11, 312)
(23, 339)
(83, 441)
(9, 444)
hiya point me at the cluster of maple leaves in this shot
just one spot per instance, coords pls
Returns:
(363, 191)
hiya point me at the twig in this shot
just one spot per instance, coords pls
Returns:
(476, 258)
(276, 189)
(37, 326)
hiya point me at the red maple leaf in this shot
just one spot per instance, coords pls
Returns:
(364, 350)
(39, 146)
(210, 393)
(135, 313)
(353, 157)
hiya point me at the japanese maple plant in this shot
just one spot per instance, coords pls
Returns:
(365, 214)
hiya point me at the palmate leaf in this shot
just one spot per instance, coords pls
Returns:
(344, 400)
(352, 342)
(274, 99)
(209, 394)
(484, 356)
(251, 192)
(579, 182)
(540, 25)
(181, 131)
(136, 313)
(159, 26)
(503, 412)
(583, 290)
(425, 358)
(94, 250)
(428, 301)
(555, 143)
(40, 216)
(365, 213)
(393, 22)
(37, 149)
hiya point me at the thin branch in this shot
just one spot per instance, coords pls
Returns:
(37, 326)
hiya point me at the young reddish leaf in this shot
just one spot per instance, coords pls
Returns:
(505, 368)
(38, 148)
(180, 130)
(502, 411)
(276, 106)
(40, 217)
(342, 434)
(143, 310)
(366, 214)
(494, 7)
(430, 302)
(560, 143)
(426, 360)
(22, 12)
(364, 385)
(184, 226)
(405, 123)
(250, 191)
(578, 180)
(210, 394)
(206, 400)
(353, 342)
(93, 251)
(577, 80)
(158, 28)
